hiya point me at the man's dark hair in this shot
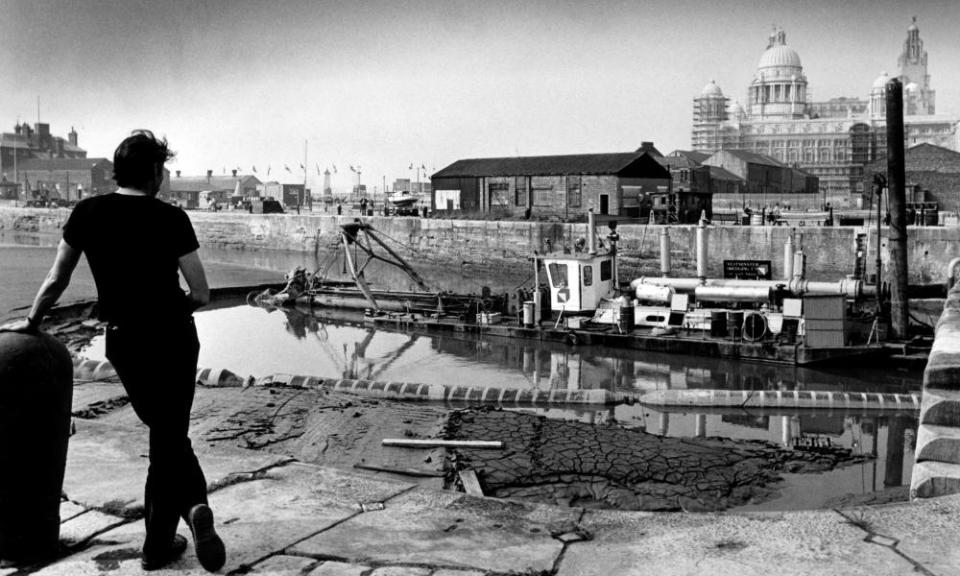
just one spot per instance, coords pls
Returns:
(137, 157)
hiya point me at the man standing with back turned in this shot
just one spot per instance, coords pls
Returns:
(135, 244)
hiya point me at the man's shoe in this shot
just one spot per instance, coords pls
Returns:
(158, 561)
(209, 546)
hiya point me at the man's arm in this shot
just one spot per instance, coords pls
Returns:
(192, 269)
(57, 280)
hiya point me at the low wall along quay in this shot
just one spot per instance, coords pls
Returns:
(830, 251)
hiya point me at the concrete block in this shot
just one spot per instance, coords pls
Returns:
(940, 407)
(933, 479)
(938, 444)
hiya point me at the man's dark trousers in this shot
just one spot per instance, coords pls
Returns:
(157, 363)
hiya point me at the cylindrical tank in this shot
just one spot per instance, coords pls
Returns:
(665, 250)
(654, 293)
(702, 249)
(732, 293)
(683, 285)
(36, 392)
(756, 219)
(528, 313)
(788, 258)
(718, 323)
(734, 323)
(799, 265)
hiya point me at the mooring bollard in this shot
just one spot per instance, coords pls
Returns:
(36, 391)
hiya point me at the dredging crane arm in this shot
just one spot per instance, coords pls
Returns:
(351, 235)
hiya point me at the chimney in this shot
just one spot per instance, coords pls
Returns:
(59, 147)
(234, 173)
(209, 175)
(178, 173)
(73, 136)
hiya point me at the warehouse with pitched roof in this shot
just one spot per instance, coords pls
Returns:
(565, 186)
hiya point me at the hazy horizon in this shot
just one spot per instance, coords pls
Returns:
(383, 85)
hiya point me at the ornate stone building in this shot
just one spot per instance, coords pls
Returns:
(832, 139)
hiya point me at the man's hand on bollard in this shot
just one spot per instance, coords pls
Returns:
(25, 326)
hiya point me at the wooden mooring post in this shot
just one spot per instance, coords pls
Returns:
(897, 278)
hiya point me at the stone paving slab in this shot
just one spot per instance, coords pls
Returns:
(798, 543)
(107, 466)
(290, 504)
(926, 531)
(257, 519)
(86, 525)
(339, 569)
(69, 510)
(448, 530)
(282, 565)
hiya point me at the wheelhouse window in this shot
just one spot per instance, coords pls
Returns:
(606, 270)
(588, 275)
(558, 274)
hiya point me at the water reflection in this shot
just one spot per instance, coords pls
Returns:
(250, 340)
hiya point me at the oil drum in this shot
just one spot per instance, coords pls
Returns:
(528, 313)
(625, 318)
(734, 323)
(36, 389)
(718, 324)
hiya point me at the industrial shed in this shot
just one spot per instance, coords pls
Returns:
(565, 187)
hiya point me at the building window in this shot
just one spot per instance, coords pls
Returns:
(499, 193)
(542, 196)
(573, 192)
(520, 192)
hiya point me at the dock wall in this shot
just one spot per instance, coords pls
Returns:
(490, 244)
(936, 471)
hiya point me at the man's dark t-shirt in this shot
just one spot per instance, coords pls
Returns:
(133, 244)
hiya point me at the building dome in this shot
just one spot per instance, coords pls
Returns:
(711, 89)
(736, 109)
(779, 56)
(881, 81)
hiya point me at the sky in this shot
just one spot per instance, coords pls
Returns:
(385, 85)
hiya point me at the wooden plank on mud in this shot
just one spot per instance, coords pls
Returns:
(471, 484)
(405, 471)
(429, 443)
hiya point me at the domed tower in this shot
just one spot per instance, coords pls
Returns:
(912, 65)
(709, 114)
(779, 88)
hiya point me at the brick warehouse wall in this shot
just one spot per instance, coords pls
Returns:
(490, 244)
